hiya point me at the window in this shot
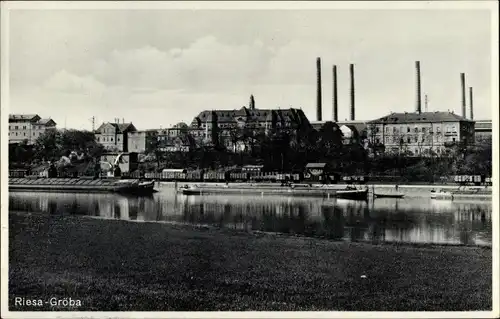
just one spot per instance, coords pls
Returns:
(377, 129)
(408, 129)
(416, 129)
(24, 134)
(16, 133)
(33, 133)
(423, 129)
(438, 129)
(394, 130)
(387, 130)
(98, 138)
(454, 129)
(409, 139)
(16, 127)
(24, 127)
(423, 139)
(377, 141)
(453, 139)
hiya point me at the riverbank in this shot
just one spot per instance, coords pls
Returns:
(124, 266)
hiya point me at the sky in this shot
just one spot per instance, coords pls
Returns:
(156, 68)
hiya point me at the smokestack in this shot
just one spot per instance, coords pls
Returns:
(419, 88)
(335, 96)
(318, 90)
(351, 71)
(462, 79)
(471, 104)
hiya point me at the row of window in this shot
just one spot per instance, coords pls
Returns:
(24, 127)
(24, 134)
(416, 129)
(107, 139)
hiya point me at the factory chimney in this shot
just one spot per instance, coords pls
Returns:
(351, 71)
(419, 88)
(335, 97)
(471, 104)
(462, 80)
(251, 104)
(318, 89)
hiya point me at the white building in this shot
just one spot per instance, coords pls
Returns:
(28, 127)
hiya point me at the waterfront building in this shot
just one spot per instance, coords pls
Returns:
(420, 133)
(114, 136)
(233, 128)
(175, 139)
(28, 127)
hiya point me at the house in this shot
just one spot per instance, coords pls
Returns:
(420, 133)
(28, 127)
(114, 136)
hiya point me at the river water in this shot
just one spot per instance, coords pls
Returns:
(407, 220)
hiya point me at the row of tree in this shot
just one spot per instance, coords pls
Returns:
(278, 150)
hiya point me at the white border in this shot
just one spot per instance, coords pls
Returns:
(372, 5)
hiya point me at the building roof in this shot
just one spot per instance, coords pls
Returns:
(256, 115)
(121, 127)
(316, 165)
(483, 125)
(27, 117)
(424, 117)
(46, 121)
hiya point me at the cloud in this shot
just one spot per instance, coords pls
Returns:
(64, 81)
(206, 64)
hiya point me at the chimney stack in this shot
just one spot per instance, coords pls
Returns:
(419, 88)
(462, 79)
(471, 104)
(335, 97)
(351, 71)
(318, 89)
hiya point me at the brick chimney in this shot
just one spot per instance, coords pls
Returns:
(462, 80)
(335, 114)
(318, 90)
(471, 101)
(419, 88)
(351, 72)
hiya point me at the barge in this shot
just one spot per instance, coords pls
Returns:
(353, 194)
(479, 193)
(103, 185)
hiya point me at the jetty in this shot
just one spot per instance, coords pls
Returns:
(466, 193)
(101, 185)
(292, 191)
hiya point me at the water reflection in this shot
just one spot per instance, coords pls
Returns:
(383, 220)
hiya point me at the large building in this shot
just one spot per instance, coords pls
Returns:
(141, 141)
(114, 136)
(28, 127)
(420, 133)
(231, 127)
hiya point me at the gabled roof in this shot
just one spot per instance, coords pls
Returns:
(121, 127)
(424, 117)
(46, 122)
(25, 117)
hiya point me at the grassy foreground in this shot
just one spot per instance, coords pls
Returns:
(126, 266)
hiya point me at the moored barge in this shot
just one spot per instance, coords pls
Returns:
(353, 194)
(101, 185)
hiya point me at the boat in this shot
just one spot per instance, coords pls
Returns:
(353, 194)
(388, 195)
(100, 185)
(476, 193)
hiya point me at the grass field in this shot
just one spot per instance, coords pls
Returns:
(126, 266)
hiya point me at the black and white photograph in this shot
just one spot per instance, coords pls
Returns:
(249, 159)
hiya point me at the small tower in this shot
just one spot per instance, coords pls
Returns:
(251, 104)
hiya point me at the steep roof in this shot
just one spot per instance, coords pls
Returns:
(424, 117)
(255, 115)
(27, 117)
(121, 127)
(46, 121)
